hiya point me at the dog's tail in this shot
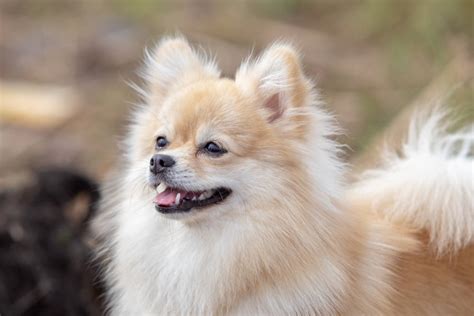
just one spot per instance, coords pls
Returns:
(429, 185)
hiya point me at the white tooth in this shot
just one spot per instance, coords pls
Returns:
(161, 187)
(178, 196)
(201, 196)
(194, 198)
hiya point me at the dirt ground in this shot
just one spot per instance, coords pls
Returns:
(64, 72)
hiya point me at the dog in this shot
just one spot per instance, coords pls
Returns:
(232, 199)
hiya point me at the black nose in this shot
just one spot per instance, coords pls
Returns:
(158, 163)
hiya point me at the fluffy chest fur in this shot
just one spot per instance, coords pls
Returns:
(164, 267)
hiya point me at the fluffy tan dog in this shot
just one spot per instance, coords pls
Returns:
(232, 199)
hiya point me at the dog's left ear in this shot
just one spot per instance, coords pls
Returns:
(276, 79)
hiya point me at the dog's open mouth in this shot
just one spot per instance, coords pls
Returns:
(174, 200)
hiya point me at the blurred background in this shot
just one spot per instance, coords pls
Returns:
(64, 99)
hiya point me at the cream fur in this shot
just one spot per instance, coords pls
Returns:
(430, 184)
(292, 238)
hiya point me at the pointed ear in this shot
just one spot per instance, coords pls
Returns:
(173, 63)
(276, 79)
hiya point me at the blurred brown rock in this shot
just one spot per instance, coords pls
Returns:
(36, 106)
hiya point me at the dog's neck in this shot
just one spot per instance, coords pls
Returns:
(276, 244)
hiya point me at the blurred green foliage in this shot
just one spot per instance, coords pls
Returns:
(413, 39)
(417, 25)
(140, 9)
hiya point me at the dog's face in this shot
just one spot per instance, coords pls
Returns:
(205, 136)
(211, 144)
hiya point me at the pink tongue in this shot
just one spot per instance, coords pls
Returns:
(166, 198)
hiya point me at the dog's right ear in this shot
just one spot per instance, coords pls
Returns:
(175, 63)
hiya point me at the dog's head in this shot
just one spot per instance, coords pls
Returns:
(211, 144)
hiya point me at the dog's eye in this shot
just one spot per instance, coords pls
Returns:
(214, 149)
(161, 142)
